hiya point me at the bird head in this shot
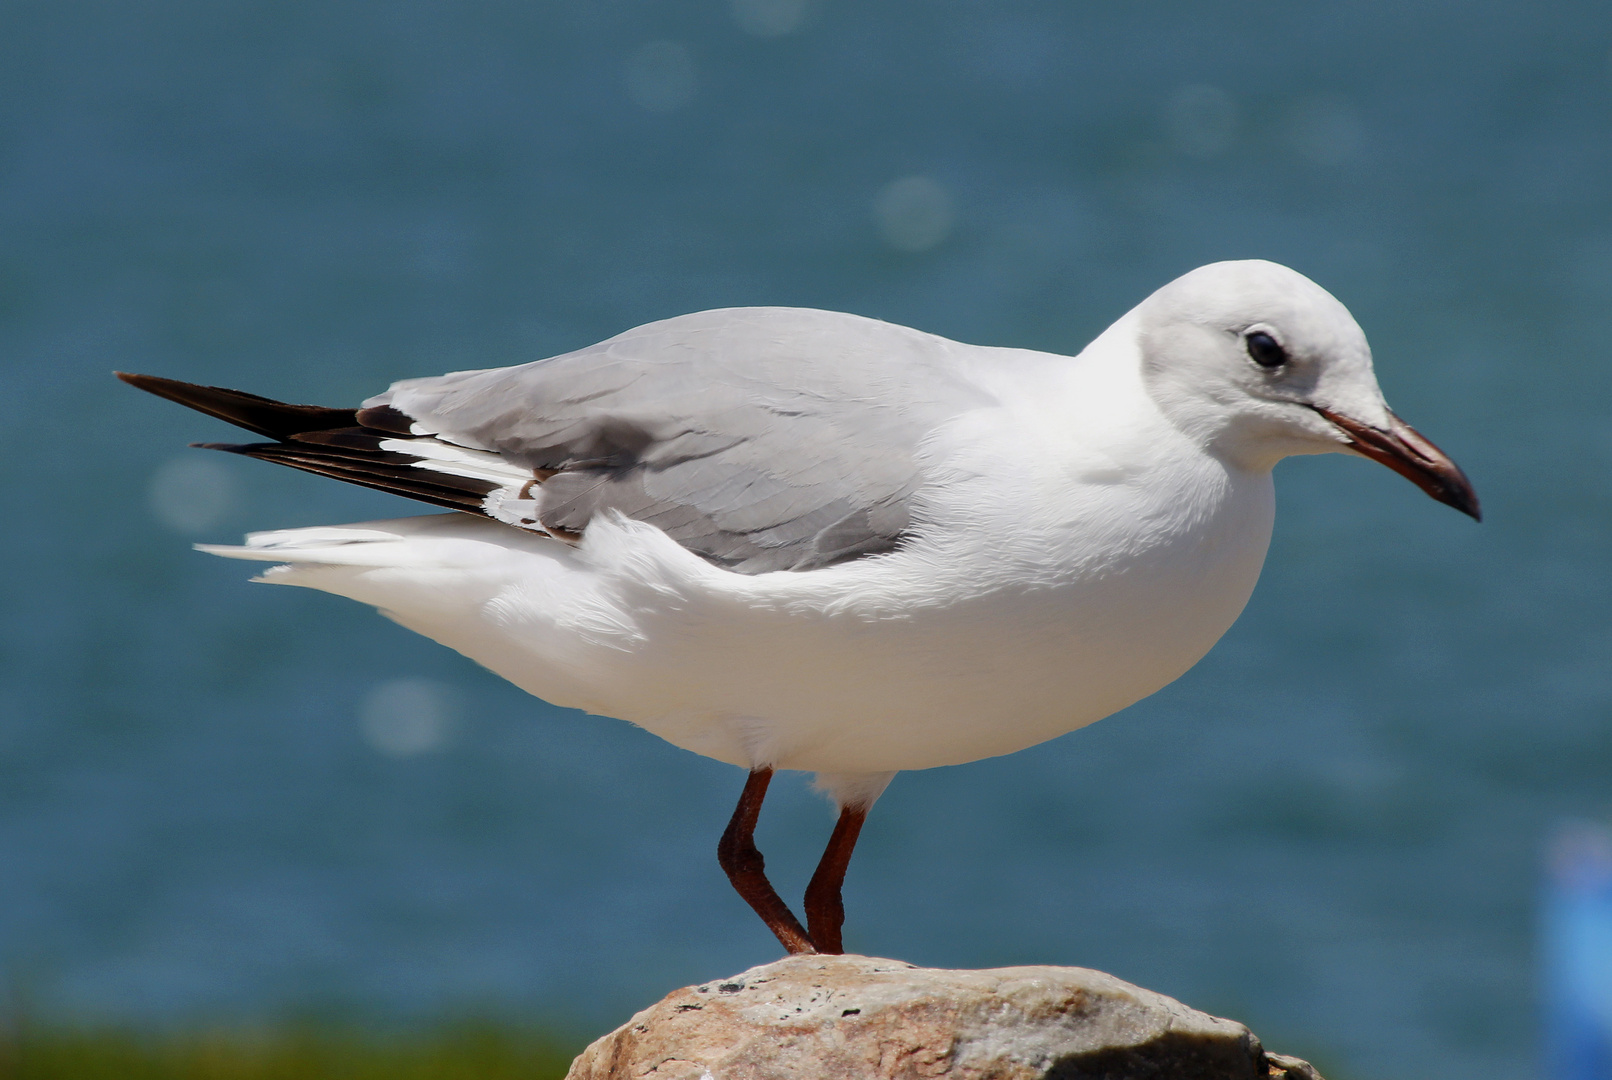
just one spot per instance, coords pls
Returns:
(1257, 362)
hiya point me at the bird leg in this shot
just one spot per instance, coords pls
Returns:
(825, 911)
(746, 869)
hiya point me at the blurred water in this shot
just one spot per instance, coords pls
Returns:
(1330, 828)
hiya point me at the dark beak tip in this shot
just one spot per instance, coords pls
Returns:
(1411, 454)
(1452, 489)
(1456, 490)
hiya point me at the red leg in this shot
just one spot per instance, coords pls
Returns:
(746, 869)
(825, 911)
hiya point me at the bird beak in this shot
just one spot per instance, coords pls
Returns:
(1403, 449)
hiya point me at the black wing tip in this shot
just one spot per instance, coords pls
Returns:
(326, 442)
(386, 418)
(153, 384)
(255, 413)
(173, 388)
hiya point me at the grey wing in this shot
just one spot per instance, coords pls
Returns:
(759, 438)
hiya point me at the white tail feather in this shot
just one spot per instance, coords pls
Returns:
(433, 539)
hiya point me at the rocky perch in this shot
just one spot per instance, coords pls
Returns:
(859, 1018)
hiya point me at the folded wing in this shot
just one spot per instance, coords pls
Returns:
(759, 438)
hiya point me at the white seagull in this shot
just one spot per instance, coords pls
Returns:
(797, 539)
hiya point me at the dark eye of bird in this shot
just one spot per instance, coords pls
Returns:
(1265, 350)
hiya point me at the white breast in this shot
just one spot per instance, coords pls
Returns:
(970, 642)
(1073, 553)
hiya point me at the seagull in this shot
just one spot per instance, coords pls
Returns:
(796, 539)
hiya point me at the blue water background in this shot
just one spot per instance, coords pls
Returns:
(1330, 828)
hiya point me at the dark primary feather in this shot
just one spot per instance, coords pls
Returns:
(328, 442)
(380, 469)
(758, 438)
(265, 416)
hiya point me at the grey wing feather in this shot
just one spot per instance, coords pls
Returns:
(759, 438)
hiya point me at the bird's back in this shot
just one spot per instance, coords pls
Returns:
(759, 438)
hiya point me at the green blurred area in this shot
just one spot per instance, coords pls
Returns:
(465, 1051)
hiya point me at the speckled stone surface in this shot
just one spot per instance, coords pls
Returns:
(832, 1017)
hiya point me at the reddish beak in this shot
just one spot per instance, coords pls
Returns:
(1403, 449)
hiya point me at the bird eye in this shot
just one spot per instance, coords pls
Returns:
(1265, 350)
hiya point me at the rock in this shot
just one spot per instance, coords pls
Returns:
(858, 1018)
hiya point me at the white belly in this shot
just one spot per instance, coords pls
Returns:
(930, 656)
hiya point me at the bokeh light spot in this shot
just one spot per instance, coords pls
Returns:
(405, 717)
(914, 213)
(769, 18)
(191, 494)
